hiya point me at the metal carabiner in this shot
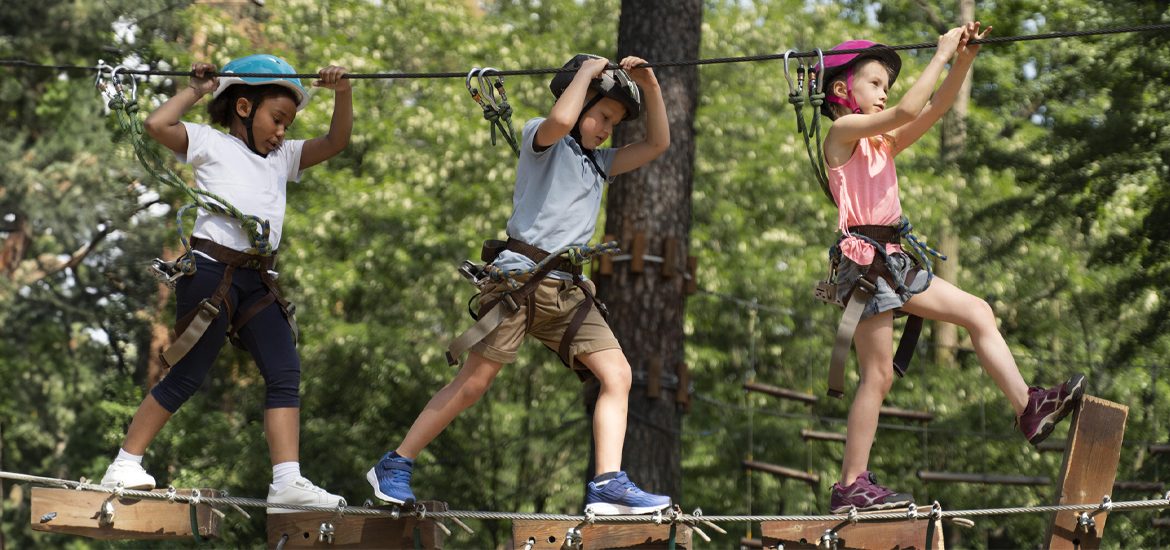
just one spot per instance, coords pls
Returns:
(118, 85)
(475, 94)
(788, 76)
(818, 72)
(486, 85)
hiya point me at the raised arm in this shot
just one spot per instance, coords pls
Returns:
(565, 112)
(851, 128)
(164, 125)
(944, 98)
(322, 148)
(657, 139)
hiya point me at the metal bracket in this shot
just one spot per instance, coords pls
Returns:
(106, 513)
(325, 532)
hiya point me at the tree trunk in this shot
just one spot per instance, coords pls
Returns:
(952, 142)
(646, 309)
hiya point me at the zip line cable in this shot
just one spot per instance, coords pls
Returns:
(20, 63)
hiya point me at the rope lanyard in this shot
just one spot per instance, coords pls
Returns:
(125, 110)
(491, 96)
(814, 96)
(577, 255)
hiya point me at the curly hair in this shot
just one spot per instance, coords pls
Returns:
(223, 108)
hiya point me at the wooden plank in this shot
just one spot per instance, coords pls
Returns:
(806, 398)
(550, 535)
(1089, 470)
(986, 479)
(865, 535)
(670, 250)
(906, 414)
(304, 530)
(654, 378)
(606, 265)
(1051, 446)
(782, 471)
(1160, 523)
(73, 512)
(745, 542)
(638, 253)
(807, 434)
(1139, 486)
(1160, 449)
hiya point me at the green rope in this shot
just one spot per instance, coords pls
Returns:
(496, 109)
(151, 159)
(417, 538)
(195, 525)
(798, 97)
(670, 543)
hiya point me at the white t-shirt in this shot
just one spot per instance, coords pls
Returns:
(255, 185)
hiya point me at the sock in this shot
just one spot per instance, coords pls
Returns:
(285, 473)
(123, 455)
(602, 479)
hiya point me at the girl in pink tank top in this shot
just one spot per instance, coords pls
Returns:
(867, 134)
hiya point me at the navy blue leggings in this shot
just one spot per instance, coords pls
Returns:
(267, 336)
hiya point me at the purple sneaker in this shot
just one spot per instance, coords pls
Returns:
(1047, 407)
(865, 494)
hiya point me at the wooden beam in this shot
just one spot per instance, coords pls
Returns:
(693, 271)
(670, 253)
(806, 398)
(782, 471)
(550, 535)
(986, 479)
(73, 512)
(864, 535)
(329, 530)
(605, 267)
(1160, 523)
(807, 434)
(745, 542)
(1139, 486)
(638, 253)
(1088, 472)
(1052, 446)
(1159, 449)
(682, 394)
(907, 414)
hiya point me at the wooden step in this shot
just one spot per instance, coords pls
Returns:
(863, 535)
(550, 535)
(74, 512)
(328, 530)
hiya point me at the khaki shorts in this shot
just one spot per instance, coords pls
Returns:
(556, 302)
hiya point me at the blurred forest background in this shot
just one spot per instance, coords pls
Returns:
(1051, 195)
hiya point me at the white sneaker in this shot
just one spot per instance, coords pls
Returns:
(130, 474)
(301, 492)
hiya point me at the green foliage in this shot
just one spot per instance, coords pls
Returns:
(1059, 204)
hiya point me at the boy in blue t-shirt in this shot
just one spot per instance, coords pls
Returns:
(559, 184)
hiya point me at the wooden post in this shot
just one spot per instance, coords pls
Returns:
(74, 512)
(864, 535)
(606, 266)
(328, 530)
(550, 535)
(1089, 470)
(654, 378)
(670, 251)
(638, 253)
(682, 394)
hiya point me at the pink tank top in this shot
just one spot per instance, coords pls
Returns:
(866, 191)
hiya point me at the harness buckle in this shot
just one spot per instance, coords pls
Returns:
(166, 272)
(509, 301)
(826, 291)
(205, 305)
(474, 273)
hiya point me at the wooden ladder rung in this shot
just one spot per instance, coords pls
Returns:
(807, 434)
(806, 398)
(782, 471)
(986, 479)
(907, 414)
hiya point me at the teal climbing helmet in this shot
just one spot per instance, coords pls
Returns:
(262, 63)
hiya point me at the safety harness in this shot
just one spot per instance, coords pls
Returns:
(524, 283)
(194, 325)
(855, 298)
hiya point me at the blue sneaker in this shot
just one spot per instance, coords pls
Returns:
(619, 496)
(390, 478)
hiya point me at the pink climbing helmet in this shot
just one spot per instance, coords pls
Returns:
(835, 64)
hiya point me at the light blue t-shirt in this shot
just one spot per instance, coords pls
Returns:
(557, 197)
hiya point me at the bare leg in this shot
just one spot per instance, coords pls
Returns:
(474, 378)
(875, 359)
(609, 415)
(948, 303)
(148, 421)
(282, 426)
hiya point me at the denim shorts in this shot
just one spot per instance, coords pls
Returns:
(886, 298)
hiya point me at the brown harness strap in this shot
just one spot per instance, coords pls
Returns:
(855, 304)
(191, 327)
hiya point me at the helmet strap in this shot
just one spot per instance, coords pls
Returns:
(849, 102)
(576, 133)
(255, 100)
